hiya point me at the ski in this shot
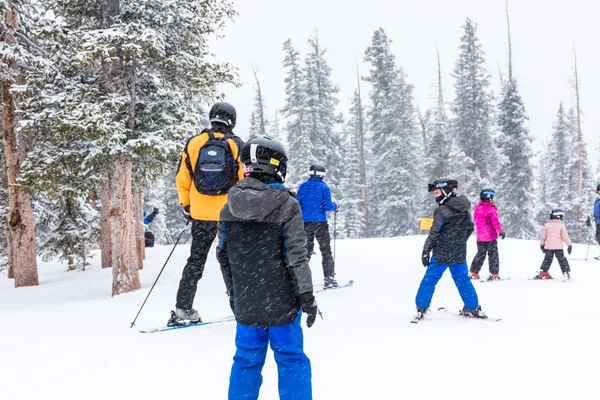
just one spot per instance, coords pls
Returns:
(505, 278)
(320, 288)
(443, 310)
(187, 325)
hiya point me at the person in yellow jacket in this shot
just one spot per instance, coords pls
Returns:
(210, 165)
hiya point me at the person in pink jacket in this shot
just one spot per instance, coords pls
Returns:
(551, 243)
(488, 229)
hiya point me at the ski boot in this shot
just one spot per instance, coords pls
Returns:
(494, 277)
(474, 275)
(567, 276)
(421, 312)
(473, 313)
(543, 275)
(330, 282)
(183, 317)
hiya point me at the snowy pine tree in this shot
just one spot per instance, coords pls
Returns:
(394, 187)
(121, 98)
(514, 178)
(259, 114)
(351, 217)
(322, 121)
(473, 111)
(300, 150)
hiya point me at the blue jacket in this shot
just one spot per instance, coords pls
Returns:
(597, 210)
(315, 200)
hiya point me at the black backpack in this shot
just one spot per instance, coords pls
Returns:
(216, 170)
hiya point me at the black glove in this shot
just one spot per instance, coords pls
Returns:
(186, 213)
(502, 235)
(155, 211)
(337, 207)
(570, 249)
(588, 222)
(309, 306)
(425, 259)
(542, 248)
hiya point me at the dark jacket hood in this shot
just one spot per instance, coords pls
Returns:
(253, 200)
(458, 203)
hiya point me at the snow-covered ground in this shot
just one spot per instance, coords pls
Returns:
(68, 339)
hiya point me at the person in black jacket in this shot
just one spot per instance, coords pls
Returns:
(262, 253)
(452, 226)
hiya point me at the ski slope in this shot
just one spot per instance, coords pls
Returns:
(68, 339)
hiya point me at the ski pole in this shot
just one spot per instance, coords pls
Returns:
(161, 271)
(334, 233)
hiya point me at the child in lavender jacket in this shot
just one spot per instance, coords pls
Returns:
(488, 229)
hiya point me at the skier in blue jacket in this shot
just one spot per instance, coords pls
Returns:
(314, 197)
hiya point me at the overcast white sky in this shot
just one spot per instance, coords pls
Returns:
(543, 33)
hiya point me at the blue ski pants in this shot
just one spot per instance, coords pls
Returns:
(293, 365)
(460, 274)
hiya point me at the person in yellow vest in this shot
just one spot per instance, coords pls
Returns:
(210, 165)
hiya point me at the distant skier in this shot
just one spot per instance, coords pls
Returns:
(488, 229)
(148, 235)
(314, 197)
(262, 253)
(597, 214)
(452, 226)
(210, 165)
(551, 244)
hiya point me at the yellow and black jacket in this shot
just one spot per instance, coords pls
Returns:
(202, 207)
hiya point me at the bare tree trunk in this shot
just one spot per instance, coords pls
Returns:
(579, 156)
(21, 223)
(122, 233)
(11, 262)
(139, 227)
(105, 228)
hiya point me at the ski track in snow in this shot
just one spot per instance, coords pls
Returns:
(69, 339)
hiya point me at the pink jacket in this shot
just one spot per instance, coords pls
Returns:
(554, 234)
(486, 222)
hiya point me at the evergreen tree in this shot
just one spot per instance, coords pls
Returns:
(121, 98)
(322, 121)
(544, 189)
(394, 169)
(70, 229)
(259, 115)
(351, 218)
(253, 131)
(473, 112)
(563, 164)
(276, 129)
(514, 179)
(300, 150)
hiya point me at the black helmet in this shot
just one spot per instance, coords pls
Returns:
(265, 155)
(557, 214)
(598, 188)
(224, 113)
(448, 187)
(487, 194)
(317, 170)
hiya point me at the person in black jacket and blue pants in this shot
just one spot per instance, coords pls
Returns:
(262, 253)
(314, 197)
(452, 226)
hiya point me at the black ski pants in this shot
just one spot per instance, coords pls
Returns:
(320, 230)
(598, 233)
(560, 256)
(203, 234)
(491, 249)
